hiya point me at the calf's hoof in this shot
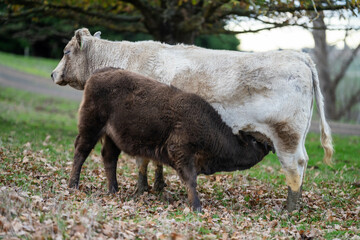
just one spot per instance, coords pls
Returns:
(73, 184)
(113, 189)
(140, 189)
(197, 209)
(159, 185)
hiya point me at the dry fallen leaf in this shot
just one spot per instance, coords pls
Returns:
(107, 230)
(186, 210)
(175, 236)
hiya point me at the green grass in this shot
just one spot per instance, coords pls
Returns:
(34, 65)
(26, 121)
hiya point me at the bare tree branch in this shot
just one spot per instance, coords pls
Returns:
(345, 66)
(106, 15)
(224, 31)
(212, 8)
(354, 99)
(319, 7)
(276, 9)
(89, 12)
(303, 25)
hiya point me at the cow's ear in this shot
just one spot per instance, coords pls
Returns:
(80, 34)
(97, 34)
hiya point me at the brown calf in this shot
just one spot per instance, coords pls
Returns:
(145, 118)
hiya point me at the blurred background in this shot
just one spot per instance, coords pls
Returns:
(36, 32)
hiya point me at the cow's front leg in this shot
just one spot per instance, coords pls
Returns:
(110, 153)
(159, 183)
(142, 184)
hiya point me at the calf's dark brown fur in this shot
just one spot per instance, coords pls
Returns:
(149, 119)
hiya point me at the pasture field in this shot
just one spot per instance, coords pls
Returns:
(36, 150)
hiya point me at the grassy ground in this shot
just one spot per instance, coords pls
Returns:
(36, 149)
(36, 66)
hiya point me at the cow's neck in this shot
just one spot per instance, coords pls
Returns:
(125, 55)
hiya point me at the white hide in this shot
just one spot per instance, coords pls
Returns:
(251, 91)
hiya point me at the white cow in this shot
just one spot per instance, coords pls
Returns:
(269, 94)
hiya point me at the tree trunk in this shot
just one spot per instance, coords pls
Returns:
(321, 53)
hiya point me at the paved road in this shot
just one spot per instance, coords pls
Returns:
(338, 128)
(16, 79)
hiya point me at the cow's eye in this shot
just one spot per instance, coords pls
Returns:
(66, 52)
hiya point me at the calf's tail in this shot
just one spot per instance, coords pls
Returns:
(325, 138)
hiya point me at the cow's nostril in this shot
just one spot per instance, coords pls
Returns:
(53, 76)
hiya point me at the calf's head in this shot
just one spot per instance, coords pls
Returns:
(73, 68)
(254, 150)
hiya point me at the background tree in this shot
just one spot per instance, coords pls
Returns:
(170, 21)
(331, 77)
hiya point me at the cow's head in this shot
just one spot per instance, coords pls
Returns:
(73, 68)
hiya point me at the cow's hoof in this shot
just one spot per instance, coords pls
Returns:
(293, 200)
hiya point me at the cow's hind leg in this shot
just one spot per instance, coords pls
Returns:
(294, 166)
(294, 196)
(110, 153)
(142, 184)
(289, 141)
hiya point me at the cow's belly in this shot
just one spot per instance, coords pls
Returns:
(258, 113)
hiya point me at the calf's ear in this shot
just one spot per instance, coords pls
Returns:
(242, 137)
(80, 34)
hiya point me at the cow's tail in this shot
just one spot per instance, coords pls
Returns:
(326, 139)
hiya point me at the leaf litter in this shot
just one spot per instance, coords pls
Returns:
(36, 203)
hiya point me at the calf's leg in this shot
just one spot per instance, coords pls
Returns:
(188, 175)
(83, 146)
(142, 184)
(110, 153)
(159, 183)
